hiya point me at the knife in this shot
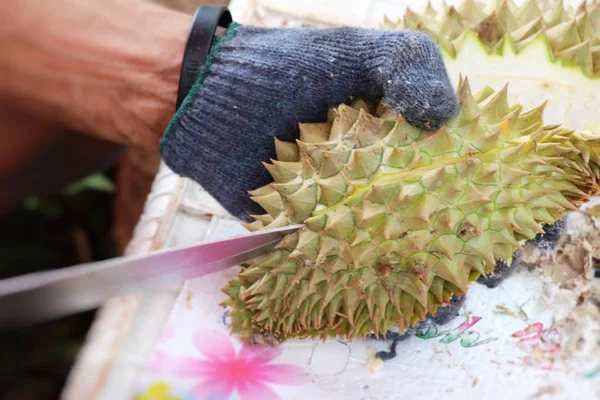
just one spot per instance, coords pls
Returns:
(41, 296)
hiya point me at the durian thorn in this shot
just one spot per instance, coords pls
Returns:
(253, 226)
(403, 175)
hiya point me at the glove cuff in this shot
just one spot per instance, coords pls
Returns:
(191, 94)
(199, 42)
(194, 145)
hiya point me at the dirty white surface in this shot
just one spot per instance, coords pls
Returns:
(525, 339)
(510, 337)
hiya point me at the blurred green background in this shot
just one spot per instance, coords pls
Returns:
(50, 232)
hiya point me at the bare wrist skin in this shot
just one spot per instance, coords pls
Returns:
(106, 68)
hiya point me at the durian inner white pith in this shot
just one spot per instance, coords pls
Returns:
(551, 52)
(573, 99)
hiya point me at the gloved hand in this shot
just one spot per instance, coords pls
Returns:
(259, 83)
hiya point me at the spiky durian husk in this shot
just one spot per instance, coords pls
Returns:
(572, 35)
(398, 220)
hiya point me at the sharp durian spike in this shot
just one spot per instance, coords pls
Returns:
(263, 190)
(555, 14)
(315, 132)
(311, 155)
(495, 107)
(331, 265)
(271, 203)
(444, 9)
(300, 204)
(340, 222)
(331, 111)
(385, 113)
(480, 246)
(530, 121)
(585, 29)
(364, 105)
(525, 220)
(392, 228)
(253, 226)
(402, 134)
(363, 162)
(580, 54)
(512, 6)
(286, 151)
(345, 117)
(527, 33)
(413, 287)
(280, 286)
(410, 19)
(263, 218)
(447, 45)
(583, 6)
(317, 222)
(448, 271)
(333, 162)
(384, 193)
(563, 36)
(284, 171)
(367, 130)
(507, 236)
(485, 93)
(545, 5)
(469, 109)
(594, 15)
(506, 15)
(471, 11)
(429, 11)
(332, 189)
(289, 187)
(451, 25)
(528, 12)
(388, 23)
(490, 30)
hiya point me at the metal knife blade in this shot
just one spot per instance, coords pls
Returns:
(41, 296)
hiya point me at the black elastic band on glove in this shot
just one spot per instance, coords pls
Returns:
(199, 42)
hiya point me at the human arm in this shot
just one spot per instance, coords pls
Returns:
(109, 68)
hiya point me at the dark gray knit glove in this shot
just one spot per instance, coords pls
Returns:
(258, 83)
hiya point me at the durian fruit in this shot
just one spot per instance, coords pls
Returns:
(397, 220)
(543, 48)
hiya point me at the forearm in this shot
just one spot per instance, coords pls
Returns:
(24, 137)
(108, 68)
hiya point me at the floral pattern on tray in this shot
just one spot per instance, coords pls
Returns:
(222, 370)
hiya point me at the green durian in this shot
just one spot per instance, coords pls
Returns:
(397, 220)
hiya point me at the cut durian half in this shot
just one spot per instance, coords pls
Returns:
(398, 220)
(546, 50)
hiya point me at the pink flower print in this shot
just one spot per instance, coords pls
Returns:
(541, 345)
(222, 370)
(537, 340)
